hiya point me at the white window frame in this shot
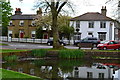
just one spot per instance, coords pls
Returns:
(10, 23)
(91, 24)
(21, 23)
(102, 24)
(77, 24)
(33, 23)
(33, 33)
(89, 75)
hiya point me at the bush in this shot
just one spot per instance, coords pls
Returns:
(70, 54)
(10, 58)
(38, 53)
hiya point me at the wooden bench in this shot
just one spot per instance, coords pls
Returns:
(86, 45)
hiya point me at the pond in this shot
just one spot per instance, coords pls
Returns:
(68, 69)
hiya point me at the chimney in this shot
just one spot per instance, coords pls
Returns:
(103, 10)
(39, 11)
(18, 11)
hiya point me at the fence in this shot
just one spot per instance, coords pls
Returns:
(28, 40)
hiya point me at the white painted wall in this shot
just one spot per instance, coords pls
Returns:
(85, 30)
(9, 32)
(95, 72)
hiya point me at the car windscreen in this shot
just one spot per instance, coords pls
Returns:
(104, 42)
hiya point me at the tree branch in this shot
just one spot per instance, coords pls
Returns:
(57, 4)
(62, 6)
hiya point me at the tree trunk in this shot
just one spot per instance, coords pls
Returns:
(56, 44)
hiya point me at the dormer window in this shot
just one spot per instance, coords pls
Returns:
(21, 23)
(33, 23)
(10, 23)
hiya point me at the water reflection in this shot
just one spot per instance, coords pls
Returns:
(68, 69)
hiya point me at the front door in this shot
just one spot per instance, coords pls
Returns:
(21, 35)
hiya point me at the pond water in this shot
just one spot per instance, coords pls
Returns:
(68, 69)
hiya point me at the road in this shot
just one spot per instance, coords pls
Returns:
(14, 45)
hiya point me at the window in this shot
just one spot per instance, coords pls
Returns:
(77, 37)
(90, 34)
(102, 35)
(21, 23)
(89, 75)
(33, 23)
(32, 34)
(116, 31)
(102, 24)
(76, 74)
(101, 75)
(10, 23)
(77, 24)
(91, 24)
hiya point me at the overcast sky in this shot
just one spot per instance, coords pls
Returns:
(81, 6)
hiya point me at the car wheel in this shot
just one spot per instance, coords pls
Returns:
(105, 48)
(49, 44)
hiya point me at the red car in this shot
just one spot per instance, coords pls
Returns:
(109, 45)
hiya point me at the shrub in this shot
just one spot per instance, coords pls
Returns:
(38, 53)
(10, 58)
(70, 54)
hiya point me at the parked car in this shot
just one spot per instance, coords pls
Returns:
(93, 40)
(50, 42)
(110, 44)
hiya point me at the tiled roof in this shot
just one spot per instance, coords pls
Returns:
(91, 16)
(23, 17)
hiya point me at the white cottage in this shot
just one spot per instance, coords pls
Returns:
(93, 24)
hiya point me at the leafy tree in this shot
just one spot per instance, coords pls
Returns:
(64, 28)
(39, 33)
(55, 7)
(63, 24)
(6, 13)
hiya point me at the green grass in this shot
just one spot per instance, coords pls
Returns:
(10, 50)
(71, 54)
(38, 53)
(2, 44)
(16, 75)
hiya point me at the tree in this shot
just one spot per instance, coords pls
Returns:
(39, 33)
(55, 7)
(6, 14)
(63, 24)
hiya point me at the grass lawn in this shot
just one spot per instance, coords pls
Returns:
(2, 44)
(10, 50)
(9, 74)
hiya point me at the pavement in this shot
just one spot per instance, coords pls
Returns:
(16, 45)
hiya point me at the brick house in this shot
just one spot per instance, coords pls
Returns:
(23, 25)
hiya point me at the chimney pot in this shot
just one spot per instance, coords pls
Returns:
(103, 10)
(18, 11)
